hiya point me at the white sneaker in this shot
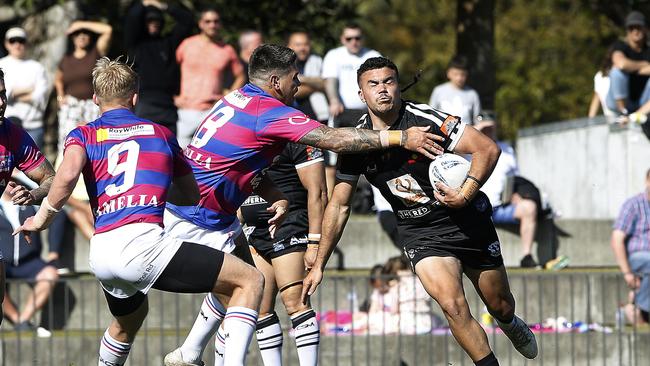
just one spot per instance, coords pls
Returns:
(43, 333)
(522, 338)
(175, 358)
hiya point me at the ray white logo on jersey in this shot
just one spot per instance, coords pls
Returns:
(126, 201)
(238, 99)
(122, 133)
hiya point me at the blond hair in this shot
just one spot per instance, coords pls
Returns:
(114, 81)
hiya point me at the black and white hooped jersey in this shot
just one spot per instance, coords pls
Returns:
(284, 174)
(402, 176)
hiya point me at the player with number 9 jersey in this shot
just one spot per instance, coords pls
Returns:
(118, 144)
(240, 136)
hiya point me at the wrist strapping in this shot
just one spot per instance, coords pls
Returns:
(470, 188)
(390, 138)
(313, 240)
(45, 214)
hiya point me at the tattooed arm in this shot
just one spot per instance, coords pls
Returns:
(350, 139)
(43, 175)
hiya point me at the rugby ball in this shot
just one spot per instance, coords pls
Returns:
(449, 169)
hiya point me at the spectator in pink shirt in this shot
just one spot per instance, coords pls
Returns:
(204, 59)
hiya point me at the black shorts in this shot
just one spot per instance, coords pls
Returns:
(193, 269)
(478, 249)
(269, 250)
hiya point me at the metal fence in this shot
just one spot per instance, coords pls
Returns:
(576, 316)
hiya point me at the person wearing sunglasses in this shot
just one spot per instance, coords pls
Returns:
(26, 83)
(340, 67)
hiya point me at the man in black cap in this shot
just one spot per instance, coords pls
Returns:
(629, 88)
(154, 57)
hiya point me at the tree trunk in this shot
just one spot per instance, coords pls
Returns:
(475, 41)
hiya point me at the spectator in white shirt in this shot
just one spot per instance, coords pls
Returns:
(340, 73)
(26, 83)
(519, 210)
(454, 96)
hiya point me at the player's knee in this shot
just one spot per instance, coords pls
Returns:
(293, 304)
(501, 307)
(254, 281)
(455, 308)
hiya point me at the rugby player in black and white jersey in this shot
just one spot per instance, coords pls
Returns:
(299, 173)
(444, 234)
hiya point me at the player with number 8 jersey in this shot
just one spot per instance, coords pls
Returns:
(225, 163)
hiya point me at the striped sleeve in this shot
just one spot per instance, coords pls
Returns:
(449, 126)
(75, 137)
(28, 156)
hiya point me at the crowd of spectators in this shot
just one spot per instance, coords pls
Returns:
(182, 75)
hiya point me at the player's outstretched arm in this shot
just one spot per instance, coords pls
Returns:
(65, 179)
(350, 139)
(485, 154)
(43, 175)
(335, 217)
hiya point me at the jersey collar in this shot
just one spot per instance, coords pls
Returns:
(367, 122)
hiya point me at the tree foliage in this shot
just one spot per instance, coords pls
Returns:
(546, 60)
(545, 53)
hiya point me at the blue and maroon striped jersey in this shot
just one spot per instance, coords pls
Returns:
(241, 135)
(131, 162)
(17, 150)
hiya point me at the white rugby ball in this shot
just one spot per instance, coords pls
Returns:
(449, 169)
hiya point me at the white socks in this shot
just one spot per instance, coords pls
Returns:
(238, 326)
(112, 352)
(307, 335)
(269, 339)
(206, 323)
(219, 347)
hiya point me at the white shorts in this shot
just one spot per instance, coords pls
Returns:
(187, 231)
(131, 258)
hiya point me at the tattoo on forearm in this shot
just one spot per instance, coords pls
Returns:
(44, 175)
(343, 140)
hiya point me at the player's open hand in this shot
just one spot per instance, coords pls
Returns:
(419, 140)
(449, 197)
(27, 228)
(310, 283)
(279, 208)
(20, 195)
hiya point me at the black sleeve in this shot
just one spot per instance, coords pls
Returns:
(303, 154)
(184, 22)
(618, 46)
(349, 166)
(134, 25)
